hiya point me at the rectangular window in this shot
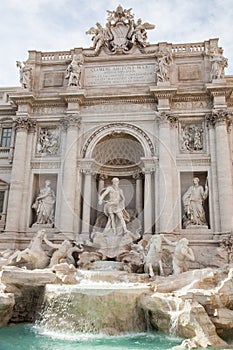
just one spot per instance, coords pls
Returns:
(6, 137)
(2, 194)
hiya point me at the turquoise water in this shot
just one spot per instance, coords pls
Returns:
(28, 337)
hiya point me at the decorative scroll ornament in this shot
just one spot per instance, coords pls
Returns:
(120, 33)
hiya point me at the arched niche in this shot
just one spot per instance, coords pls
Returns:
(116, 150)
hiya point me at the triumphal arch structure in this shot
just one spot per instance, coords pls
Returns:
(154, 116)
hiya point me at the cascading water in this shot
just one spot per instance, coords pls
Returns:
(96, 307)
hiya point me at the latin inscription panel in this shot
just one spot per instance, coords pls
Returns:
(119, 75)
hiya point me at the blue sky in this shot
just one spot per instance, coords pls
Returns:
(56, 25)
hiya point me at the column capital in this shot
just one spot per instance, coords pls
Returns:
(71, 121)
(149, 165)
(24, 123)
(137, 176)
(219, 117)
(86, 166)
(102, 176)
(166, 118)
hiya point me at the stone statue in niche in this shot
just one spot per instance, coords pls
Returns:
(114, 207)
(193, 205)
(48, 141)
(162, 66)
(74, 70)
(44, 206)
(116, 228)
(218, 63)
(25, 74)
(182, 253)
(192, 138)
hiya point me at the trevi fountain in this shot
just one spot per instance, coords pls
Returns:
(116, 195)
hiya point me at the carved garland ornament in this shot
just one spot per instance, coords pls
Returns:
(121, 125)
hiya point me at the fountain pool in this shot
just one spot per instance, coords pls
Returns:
(30, 337)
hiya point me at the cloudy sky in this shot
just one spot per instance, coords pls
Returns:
(56, 25)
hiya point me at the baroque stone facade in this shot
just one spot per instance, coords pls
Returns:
(153, 115)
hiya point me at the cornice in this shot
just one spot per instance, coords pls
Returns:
(22, 99)
(219, 90)
(163, 92)
(48, 102)
(117, 99)
(190, 97)
(72, 96)
(10, 110)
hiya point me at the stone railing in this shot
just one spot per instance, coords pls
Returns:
(4, 152)
(188, 48)
(56, 56)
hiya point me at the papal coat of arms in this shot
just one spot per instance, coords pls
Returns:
(120, 33)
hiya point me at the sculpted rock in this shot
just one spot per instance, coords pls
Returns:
(15, 276)
(196, 305)
(65, 273)
(7, 302)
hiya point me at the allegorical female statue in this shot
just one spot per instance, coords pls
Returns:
(193, 204)
(44, 205)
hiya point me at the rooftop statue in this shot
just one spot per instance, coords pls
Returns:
(218, 63)
(120, 33)
(162, 66)
(74, 70)
(25, 74)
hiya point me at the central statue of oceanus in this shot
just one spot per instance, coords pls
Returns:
(114, 207)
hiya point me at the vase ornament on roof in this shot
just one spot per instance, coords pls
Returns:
(121, 32)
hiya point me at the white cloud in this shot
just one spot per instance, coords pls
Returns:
(55, 25)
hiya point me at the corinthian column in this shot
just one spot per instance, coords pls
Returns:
(69, 171)
(148, 169)
(165, 172)
(221, 119)
(22, 126)
(86, 217)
